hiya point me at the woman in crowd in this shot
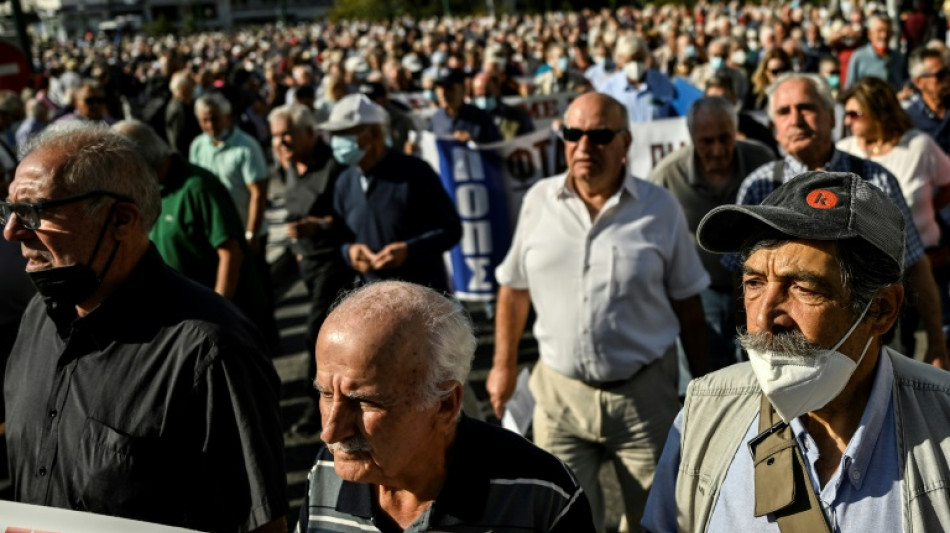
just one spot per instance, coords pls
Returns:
(773, 63)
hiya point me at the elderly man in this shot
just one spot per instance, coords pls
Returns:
(392, 359)
(877, 58)
(455, 118)
(560, 76)
(199, 232)
(397, 219)
(150, 397)
(511, 121)
(306, 163)
(704, 175)
(719, 52)
(825, 428)
(802, 111)
(181, 126)
(609, 265)
(931, 75)
(646, 92)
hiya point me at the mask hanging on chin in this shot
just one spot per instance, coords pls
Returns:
(635, 71)
(798, 384)
(63, 288)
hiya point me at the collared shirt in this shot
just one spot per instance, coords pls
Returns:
(160, 405)
(403, 201)
(602, 289)
(928, 122)
(651, 100)
(759, 184)
(678, 174)
(865, 61)
(495, 481)
(863, 494)
(238, 162)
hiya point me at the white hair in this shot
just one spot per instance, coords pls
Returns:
(213, 102)
(817, 82)
(299, 115)
(152, 147)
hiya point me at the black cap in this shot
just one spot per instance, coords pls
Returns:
(819, 206)
(449, 76)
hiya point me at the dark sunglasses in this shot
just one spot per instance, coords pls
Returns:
(601, 136)
(29, 214)
(93, 100)
(853, 115)
(777, 71)
(941, 74)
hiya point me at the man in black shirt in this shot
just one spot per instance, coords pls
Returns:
(131, 391)
(310, 173)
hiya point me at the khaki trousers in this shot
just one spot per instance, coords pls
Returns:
(626, 424)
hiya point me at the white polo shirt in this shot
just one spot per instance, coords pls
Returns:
(602, 289)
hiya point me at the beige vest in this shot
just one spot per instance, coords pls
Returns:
(720, 407)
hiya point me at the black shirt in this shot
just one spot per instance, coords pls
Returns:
(160, 405)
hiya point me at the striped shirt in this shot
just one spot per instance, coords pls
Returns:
(497, 482)
(760, 184)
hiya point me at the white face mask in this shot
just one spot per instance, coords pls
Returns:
(798, 384)
(635, 70)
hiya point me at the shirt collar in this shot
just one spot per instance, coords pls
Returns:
(795, 167)
(566, 188)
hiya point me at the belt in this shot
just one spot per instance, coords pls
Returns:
(607, 385)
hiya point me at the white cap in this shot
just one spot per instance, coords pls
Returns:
(354, 110)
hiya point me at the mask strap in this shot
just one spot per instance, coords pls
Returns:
(853, 326)
(102, 234)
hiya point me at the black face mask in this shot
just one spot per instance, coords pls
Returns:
(65, 287)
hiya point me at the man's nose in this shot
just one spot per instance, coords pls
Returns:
(337, 417)
(14, 230)
(767, 311)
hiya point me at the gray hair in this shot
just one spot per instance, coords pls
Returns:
(152, 147)
(915, 62)
(629, 45)
(299, 115)
(711, 104)
(100, 159)
(817, 82)
(447, 326)
(212, 102)
(863, 274)
(178, 82)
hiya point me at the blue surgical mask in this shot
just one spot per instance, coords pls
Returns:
(429, 94)
(690, 51)
(485, 102)
(562, 63)
(715, 62)
(833, 80)
(346, 149)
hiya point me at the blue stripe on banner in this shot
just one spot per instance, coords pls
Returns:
(473, 179)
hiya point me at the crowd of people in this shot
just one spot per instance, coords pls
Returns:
(132, 165)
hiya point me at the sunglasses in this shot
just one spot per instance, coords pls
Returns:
(941, 74)
(777, 71)
(600, 137)
(29, 214)
(853, 115)
(93, 100)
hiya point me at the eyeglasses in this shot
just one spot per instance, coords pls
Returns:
(600, 137)
(853, 115)
(29, 214)
(93, 100)
(941, 74)
(777, 71)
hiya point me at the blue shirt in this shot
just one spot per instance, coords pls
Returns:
(858, 497)
(865, 62)
(652, 100)
(928, 122)
(759, 184)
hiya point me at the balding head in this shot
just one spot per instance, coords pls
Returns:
(410, 321)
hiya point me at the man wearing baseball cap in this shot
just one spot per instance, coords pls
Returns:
(457, 119)
(824, 428)
(397, 218)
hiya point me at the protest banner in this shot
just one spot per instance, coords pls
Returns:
(652, 141)
(21, 517)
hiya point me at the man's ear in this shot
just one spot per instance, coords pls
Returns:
(451, 404)
(885, 308)
(126, 220)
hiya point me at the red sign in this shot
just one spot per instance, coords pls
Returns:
(14, 68)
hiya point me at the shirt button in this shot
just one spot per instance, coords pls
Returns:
(42, 471)
(52, 413)
(855, 475)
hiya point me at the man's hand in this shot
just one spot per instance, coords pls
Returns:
(392, 256)
(462, 136)
(305, 227)
(501, 385)
(361, 257)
